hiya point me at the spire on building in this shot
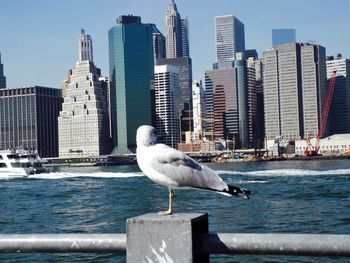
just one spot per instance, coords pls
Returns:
(2, 76)
(85, 47)
(173, 32)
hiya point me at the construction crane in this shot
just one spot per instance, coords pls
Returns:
(312, 150)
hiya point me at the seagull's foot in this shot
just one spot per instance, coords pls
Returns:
(165, 213)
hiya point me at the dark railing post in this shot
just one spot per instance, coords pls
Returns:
(155, 238)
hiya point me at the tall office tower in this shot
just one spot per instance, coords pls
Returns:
(173, 29)
(294, 83)
(251, 110)
(184, 65)
(177, 54)
(199, 112)
(166, 83)
(314, 84)
(271, 94)
(185, 38)
(85, 47)
(339, 114)
(230, 37)
(83, 122)
(158, 43)
(2, 76)
(243, 91)
(222, 103)
(259, 125)
(28, 118)
(132, 74)
(283, 36)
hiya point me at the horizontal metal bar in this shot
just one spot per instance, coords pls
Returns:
(63, 243)
(275, 244)
(222, 243)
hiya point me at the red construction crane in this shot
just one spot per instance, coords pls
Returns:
(313, 149)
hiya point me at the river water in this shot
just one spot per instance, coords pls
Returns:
(288, 197)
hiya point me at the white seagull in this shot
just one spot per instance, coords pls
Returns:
(171, 168)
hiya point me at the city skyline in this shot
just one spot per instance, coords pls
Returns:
(48, 30)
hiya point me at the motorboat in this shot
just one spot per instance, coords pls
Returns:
(20, 163)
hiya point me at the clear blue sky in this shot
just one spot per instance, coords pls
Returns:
(38, 38)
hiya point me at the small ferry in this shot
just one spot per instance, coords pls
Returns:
(20, 163)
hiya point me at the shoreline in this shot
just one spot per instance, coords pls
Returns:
(131, 160)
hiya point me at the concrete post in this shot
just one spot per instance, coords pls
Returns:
(167, 239)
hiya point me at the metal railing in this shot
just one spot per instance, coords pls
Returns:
(221, 243)
(276, 244)
(177, 238)
(63, 243)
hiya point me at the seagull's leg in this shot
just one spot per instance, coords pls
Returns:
(170, 210)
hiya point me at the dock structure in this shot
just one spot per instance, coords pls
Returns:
(177, 238)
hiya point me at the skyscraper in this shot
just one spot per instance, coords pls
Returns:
(83, 121)
(294, 85)
(178, 54)
(131, 62)
(339, 113)
(230, 37)
(199, 112)
(283, 36)
(173, 32)
(184, 64)
(221, 103)
(314, 84)
(2, 76)
(28, 118)
(166, 84)
(158, 43)
(258, 128)
(185, 37)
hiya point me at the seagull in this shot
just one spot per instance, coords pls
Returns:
(173, 169)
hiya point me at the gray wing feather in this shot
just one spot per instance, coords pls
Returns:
(184, 170)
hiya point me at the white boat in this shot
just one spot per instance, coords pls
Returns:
(20, 163)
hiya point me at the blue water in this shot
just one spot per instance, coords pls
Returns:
(288, 197)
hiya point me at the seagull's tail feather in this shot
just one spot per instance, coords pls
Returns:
(234, 190)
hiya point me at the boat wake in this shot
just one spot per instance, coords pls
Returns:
(288, 172)
(64, 175)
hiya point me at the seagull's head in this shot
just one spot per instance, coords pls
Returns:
(146, 135)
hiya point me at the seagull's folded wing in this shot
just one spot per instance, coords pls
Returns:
(185, 171)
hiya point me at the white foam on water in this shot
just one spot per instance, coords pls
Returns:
(64, 175)
(288, 172)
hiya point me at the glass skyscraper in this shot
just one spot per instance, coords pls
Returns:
(158, 43)
(131, 62)
(283, 36)
(230, 37)
(222, 103)
(2, 76)
(185, 37)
